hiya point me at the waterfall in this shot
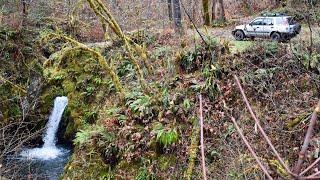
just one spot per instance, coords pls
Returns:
(49, 149)
(60, 104)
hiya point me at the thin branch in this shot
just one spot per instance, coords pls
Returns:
(309, 167)
(201, 140)
(250, 148)
(307, 138)
(309, 177)
(194, 25)
(265, 136)
(314, 175)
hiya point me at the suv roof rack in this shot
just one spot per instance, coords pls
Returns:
(268, 14)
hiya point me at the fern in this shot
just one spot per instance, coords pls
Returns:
(165, 136)
(84, 136)
(139, 104)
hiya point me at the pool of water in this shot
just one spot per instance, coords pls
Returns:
(31, 167)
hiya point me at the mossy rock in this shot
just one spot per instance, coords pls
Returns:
(48, 97)
(66, 131)
(82, 80)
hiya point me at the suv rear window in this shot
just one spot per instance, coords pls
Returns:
(291, 21)
(285, 21)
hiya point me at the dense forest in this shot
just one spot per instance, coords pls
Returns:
(159, 89)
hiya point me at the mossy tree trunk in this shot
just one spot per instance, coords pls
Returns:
(169, 2)
(206, 16)
(193, 149)
(213, 13)
(105, 16)
(218, 9)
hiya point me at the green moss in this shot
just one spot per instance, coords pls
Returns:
(70, 130)
(240, 46)
(166, 161)
(87, 164)
(131, 169)
(14, 111)
(68, 86)
(80, 78)
(48, 97)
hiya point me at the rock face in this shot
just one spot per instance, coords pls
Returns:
(35, 87)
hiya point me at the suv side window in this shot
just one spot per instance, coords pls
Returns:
(258, 22)
(268, 21)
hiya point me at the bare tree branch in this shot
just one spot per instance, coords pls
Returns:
(250, 149)
(309, 167)
(307, 138)
(201, 140)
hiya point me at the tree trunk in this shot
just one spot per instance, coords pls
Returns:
(219, 11)
(223, 14)
(206, 16)
(24, 7)
(177, 16)
(170, 9)
(246, 7)
(213, 14)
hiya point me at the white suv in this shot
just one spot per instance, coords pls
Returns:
(278, 27)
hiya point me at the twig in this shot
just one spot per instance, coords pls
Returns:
(309, 177)
(250, 148)
(201, 140)
(314, 175)
(309, 167)
(307, 138)
(260, 128)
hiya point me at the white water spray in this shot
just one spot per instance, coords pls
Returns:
(49, 149)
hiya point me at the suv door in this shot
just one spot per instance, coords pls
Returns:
(255, 28)
(268, 26)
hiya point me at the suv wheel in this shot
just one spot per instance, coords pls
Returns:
(239, 35)
(276, 36)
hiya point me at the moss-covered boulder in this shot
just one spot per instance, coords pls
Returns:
(79, 77)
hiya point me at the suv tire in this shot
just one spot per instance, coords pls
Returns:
(276, 36)
(239, 35)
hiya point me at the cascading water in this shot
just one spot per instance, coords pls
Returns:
(49, 150)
